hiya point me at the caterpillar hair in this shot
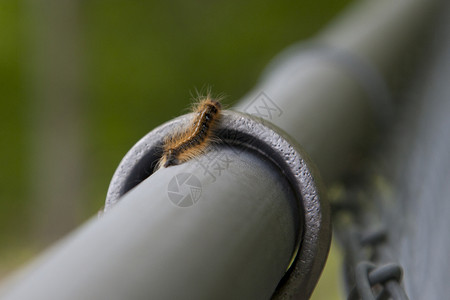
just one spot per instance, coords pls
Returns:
(193, 141)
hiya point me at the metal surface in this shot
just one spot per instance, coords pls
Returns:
(263, 208)
(406, 188)
(234, 242)
(416, 167)
(387, 277)
(366, 279)
(331, 92)
(237, 240)
(240, 130)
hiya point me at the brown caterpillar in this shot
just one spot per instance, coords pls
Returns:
(193, 141)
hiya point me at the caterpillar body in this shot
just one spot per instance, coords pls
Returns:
(194, 140)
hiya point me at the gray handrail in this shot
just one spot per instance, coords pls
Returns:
(238, 241)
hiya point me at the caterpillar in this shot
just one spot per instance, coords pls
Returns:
(194, 140)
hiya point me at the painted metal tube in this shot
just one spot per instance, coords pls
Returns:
(234, 242)
(239, 238)
(196, 232)
(333, 91)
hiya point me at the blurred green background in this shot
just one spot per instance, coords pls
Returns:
(82, 81)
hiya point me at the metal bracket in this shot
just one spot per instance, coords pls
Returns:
(243, 131)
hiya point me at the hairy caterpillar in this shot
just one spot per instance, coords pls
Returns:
(191, 142)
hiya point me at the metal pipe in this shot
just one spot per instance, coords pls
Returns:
(234, 241)
(239, 230)
(241, 131)
(238, 240)
(330, 93)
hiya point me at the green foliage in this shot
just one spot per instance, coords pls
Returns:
(12, 135)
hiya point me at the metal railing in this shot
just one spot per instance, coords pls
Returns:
(230, 223)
